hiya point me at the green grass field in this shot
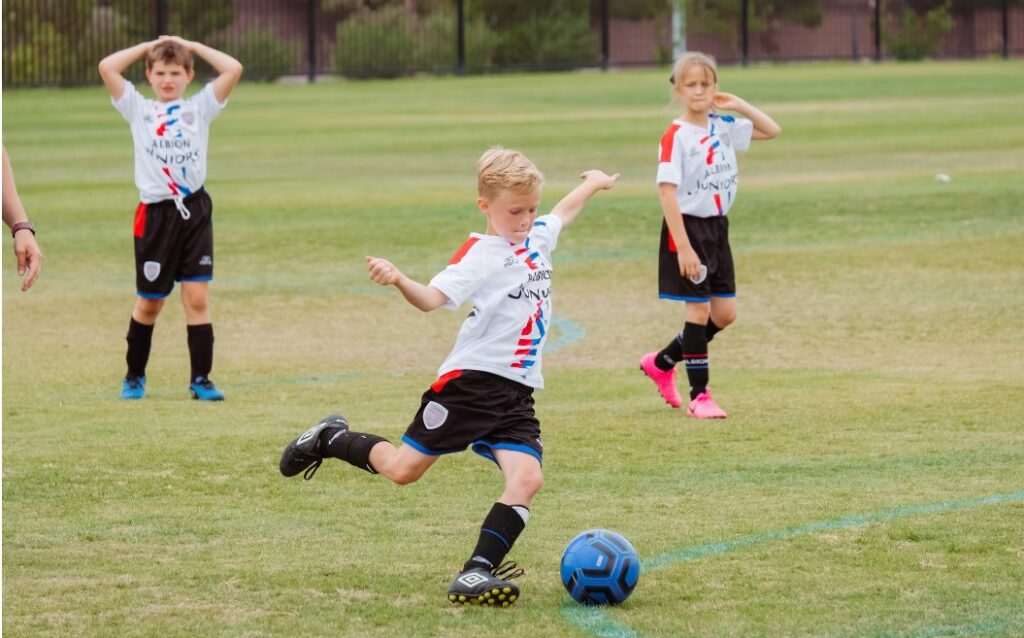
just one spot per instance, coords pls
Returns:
(868, 482)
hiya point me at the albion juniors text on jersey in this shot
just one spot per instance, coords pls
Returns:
(702, 163)
(509, 286)
(170, 141)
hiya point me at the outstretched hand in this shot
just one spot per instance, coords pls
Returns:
(383, 271)
(600, 179)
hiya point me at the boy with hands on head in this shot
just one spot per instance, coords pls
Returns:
(173, 222)
(483, 397)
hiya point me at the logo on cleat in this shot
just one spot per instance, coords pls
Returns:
(472, 579)
(308, 434)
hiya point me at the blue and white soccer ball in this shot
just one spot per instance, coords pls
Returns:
(600, 567)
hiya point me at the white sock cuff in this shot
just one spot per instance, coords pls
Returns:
(523, 511)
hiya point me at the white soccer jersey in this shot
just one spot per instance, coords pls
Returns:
(170, 141)
(702, 163)
(509, 286)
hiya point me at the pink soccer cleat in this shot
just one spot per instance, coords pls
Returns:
(704, 407)
(666, 381)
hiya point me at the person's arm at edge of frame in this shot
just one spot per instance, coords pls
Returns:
(571, 205)
(30, 258)
(112, 66)
(421, 296)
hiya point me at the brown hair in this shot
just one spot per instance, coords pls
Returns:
(691, 59)
(502, 169)
(169, 52)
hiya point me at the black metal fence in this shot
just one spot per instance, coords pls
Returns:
(59, 42)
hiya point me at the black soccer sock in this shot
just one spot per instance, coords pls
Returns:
(140, 340)
(499, 532)
(711, 330)
(200, 349)
(671, 354)
(351, 447)
(695, 357)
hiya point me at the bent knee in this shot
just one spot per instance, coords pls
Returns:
(403, 475)
(724, 319)
(530, 483)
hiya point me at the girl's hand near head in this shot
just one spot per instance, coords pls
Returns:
(727, 101)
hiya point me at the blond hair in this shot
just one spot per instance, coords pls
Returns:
(500, 169)
(691, 59)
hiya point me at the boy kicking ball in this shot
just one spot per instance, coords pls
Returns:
(483, 397)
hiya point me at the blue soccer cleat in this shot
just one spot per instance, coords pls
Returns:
(133, 388)
(204, 390)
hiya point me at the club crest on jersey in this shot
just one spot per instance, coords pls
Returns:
(151, 270)
(434, 415)
(726, 139)
(188, 117)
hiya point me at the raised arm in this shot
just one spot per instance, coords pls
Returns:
(424, 297)
(112, 66)
(572, 204)
(229, 70)
(765, 127)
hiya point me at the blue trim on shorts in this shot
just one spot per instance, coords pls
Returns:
(424, 450)
(690, 299)
(723, 295)
(152, 295)
(484, 449)
(200, 278)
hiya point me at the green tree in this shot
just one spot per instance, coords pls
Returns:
(919, 32)
(723, 17)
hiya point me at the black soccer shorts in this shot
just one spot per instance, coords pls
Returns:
(170, 248)
(479, 409)
(709, 237)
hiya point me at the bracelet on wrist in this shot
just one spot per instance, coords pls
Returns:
(23, 226)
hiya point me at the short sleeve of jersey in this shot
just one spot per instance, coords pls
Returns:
(670, 157)
(207, 104)
(463, 276)
(742, 131)
(131, 101)
(545, 231)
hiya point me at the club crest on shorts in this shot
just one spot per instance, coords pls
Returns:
(151, 270)
(434, 415)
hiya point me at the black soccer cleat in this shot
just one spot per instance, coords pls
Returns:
(304, 452)
(478, 586)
